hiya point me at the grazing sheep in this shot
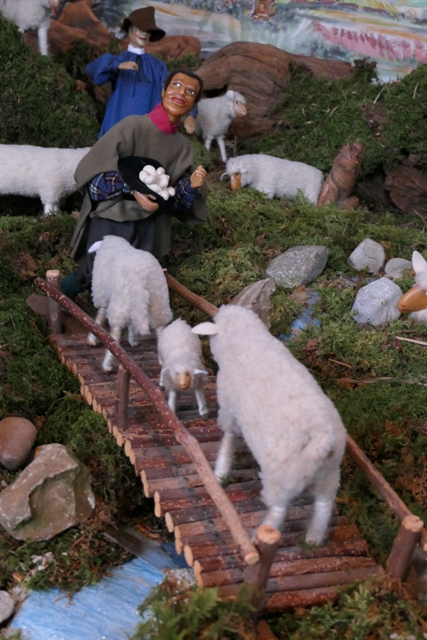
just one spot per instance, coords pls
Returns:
(292, 428)
(215, 116)
(414, 301)
(276, 177)
(30, 14)
(180, 354)
(129, 289)
(43, 172)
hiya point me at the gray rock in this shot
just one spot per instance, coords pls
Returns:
(396, 267)
(368, 255)
(376, 303)
(297, 266)
(7, 606)
(52, 494)
(257, 297)
(17, 436)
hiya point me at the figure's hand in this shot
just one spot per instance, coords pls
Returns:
(198, 177)
(146, 201)
(189, 124)
(131, 66)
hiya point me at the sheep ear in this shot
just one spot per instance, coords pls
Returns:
(230, 94)
(94, 247)
(200, 372)
(418, 262)
(205, 329)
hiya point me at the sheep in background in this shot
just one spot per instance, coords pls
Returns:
(215, 116)
(291, 426)
(180, 354)
(414, 301)
(129, 289)
(276, 177)
(43, 172)
(30, 14)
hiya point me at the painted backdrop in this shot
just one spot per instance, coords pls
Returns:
(391, 32)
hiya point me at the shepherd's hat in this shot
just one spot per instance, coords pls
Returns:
(143, 19)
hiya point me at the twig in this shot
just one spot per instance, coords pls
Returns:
(412, 340)
(420, 216)
(415, 90)
(344, 364)
(375, 101)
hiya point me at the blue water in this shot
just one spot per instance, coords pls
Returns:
(106, 611)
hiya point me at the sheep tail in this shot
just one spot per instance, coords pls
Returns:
(95, 246)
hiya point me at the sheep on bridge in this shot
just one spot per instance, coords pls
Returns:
(292, 428)
(180, 354)
(30, 14)
(215, 116)
(39, 172)
(129, 289)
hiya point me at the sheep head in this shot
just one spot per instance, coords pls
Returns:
(416, 298)
(239, 103)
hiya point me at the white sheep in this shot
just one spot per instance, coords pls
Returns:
(215, 116)
(30, 14)
(180, 355)
(291, 426)
(414, 301)
(43, 172)
(276, 177)
(129, 289)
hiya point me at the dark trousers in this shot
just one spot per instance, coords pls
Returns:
(139, 233)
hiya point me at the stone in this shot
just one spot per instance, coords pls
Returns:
(52, 494)
(257, 297)
(376, 304)
(342, 178)
(7, 606)
(368, 255)
(297, 266)
(173, 47)
(17, 436)
(396, 267)
(261, 73)
(407, 188)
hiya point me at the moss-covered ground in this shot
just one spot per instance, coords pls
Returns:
(377, 382)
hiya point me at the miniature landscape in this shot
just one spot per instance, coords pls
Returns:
(377, 382)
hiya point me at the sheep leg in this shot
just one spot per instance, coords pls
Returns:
(107, 363)
(225, 456)
(201, 402)
(133, 337)
(48, 209)
(275, 516)
(172, 399)
(221, 145)
(42, 33)
(208, 142)
(161, 379)
(100, 319)
(319, 521)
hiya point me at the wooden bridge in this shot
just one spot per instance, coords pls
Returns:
(174, 456)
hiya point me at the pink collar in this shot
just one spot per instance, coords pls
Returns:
(160, 118)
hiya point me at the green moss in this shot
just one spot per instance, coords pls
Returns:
(39, 102)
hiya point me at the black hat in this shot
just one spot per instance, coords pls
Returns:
(130, 169)
(143, 19)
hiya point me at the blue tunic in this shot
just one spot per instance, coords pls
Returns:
(133, 92)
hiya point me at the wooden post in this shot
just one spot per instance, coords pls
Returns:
(263, 631)
(266, 541)
(122, 397)
(399, 560)
(53, 308)
(193, 298)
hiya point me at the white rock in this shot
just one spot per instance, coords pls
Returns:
(7, 606)
(396, 266)
(368, 255)
(376, 303)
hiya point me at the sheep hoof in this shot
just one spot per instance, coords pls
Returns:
(204, 413)
(92, 340)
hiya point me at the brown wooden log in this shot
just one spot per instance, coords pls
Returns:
(193, 448)
(187, 470)
(122, 398)
(303, 598)
(198, 514)
(399, 560)
(53, 308)
(317, 580)
(267, 540)
(263, 631)
(191, 297)
(226, 557)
